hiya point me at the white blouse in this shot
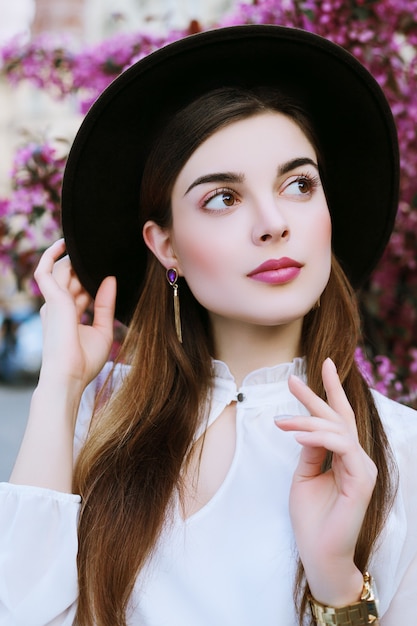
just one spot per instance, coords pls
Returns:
(230, 564)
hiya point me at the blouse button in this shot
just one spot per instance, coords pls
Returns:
(240, 397)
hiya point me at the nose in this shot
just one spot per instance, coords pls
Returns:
(270, 224)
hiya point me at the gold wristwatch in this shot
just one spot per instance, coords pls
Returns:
(360, 613)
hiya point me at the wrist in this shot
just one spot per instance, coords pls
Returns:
(360, 613)
(337, 585)
(45, 458)
(64, 385)
(51, 377)
(55, 402)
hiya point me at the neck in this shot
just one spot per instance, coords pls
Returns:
(247, 347)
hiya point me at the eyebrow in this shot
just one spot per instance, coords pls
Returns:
(217, 177)
(292, 164)
(232, 177)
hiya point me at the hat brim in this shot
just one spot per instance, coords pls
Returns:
(348, 110)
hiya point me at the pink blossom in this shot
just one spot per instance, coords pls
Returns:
(382, 34)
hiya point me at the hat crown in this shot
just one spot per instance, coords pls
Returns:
(348, 110)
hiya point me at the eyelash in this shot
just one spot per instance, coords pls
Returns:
(313, 182)
(214, 194)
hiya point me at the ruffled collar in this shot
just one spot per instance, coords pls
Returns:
(263, 375)
(257, 385)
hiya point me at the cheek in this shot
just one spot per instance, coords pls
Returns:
(323, 231)
(324, 223)
(203, 247)
(325, 239)
(202, 262)
(314, 229)
(199, 255)
(319, 236)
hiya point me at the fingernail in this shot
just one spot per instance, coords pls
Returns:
(298, 379)
(332, 362)
(280, 418)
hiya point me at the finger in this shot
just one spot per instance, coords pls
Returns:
(43, 272)
(62, 268)
(350, 462)
(310, 463)
(336, 396)
(313, 453)
(104, 305)
(348, 456)
(307, 423)
(317, 432)
(66, 278)
(337, 407)
(313, 403)
(52, 254)
(317, 435)
(63, 282)
(338, 443)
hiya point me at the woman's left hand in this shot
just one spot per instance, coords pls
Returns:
(327, 509)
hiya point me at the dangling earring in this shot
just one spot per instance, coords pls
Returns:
(317, 304)
(172, 277)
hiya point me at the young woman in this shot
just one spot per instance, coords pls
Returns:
(232, 467)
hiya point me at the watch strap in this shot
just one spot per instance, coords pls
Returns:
(362, 613)
(352, 615)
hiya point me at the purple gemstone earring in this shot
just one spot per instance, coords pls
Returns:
(172, 277)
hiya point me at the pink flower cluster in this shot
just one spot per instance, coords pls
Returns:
(382, 34)
(41, 61)
(61, 71)
(381, 374)
(30, 217)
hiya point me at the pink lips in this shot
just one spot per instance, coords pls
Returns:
(277, 271)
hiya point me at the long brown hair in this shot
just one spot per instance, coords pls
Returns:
(130, 466)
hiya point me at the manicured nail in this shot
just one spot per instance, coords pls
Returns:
(298, 379)
(280, 418)
(332, 362)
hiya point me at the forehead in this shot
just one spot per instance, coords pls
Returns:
(269, 137)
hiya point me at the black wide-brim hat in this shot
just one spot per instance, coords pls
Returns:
(348, 110)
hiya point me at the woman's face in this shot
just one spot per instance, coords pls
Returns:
(251, 230)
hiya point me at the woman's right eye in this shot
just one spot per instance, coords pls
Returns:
(220, 199)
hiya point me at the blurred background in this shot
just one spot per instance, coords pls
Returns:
(56, 56)
(33, 115)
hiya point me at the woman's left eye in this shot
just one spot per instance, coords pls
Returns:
(220, 199)
(301, 186)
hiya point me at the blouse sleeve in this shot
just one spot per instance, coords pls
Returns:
(38, 540)
(403, 608)
(38, 551)
(395, 562)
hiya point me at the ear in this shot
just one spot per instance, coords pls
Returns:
(159, 242)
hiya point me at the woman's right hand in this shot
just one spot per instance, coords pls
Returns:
(73, 353)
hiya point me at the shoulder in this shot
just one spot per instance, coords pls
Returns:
(400, 425)
(111, 377)
(399, 420)
(394, 560)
